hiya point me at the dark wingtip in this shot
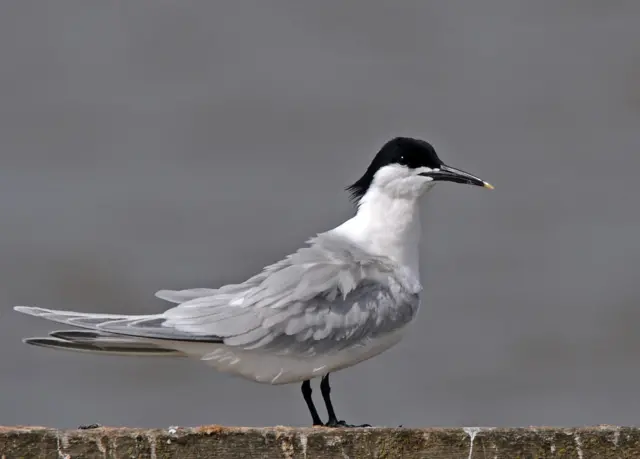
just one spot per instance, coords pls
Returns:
(45, 342)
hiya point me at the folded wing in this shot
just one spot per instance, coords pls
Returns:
(325, 297)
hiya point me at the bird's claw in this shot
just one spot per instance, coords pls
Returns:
(89, 426)
(342, 424)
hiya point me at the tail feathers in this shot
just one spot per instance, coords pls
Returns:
(94, 342)
(76, 319)
(137, 326)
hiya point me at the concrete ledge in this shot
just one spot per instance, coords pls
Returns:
(288, 443)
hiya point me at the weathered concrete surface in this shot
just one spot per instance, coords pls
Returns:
(287, 443)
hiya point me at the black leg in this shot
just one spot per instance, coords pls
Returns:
(306, 393)
(325, 388)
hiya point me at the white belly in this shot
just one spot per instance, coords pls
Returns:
(282, 369)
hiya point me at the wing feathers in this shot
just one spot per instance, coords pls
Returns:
(181, 296)
(324, 297)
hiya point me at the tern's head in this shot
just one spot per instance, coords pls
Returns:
(406, 168)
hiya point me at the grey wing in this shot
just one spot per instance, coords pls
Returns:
(320, 325)
(324, 298)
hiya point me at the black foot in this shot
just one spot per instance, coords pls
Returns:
(333, 419)
(89, 426)
(341, 424)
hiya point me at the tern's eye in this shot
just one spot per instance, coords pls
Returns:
(407, 160)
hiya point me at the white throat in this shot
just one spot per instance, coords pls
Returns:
(387, 225)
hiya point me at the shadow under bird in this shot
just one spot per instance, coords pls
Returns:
(345, 297)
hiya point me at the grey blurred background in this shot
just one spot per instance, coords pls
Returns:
(167, 144)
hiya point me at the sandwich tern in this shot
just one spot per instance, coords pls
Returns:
(345, 297)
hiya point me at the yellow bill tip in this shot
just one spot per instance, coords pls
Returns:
(488, 185)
